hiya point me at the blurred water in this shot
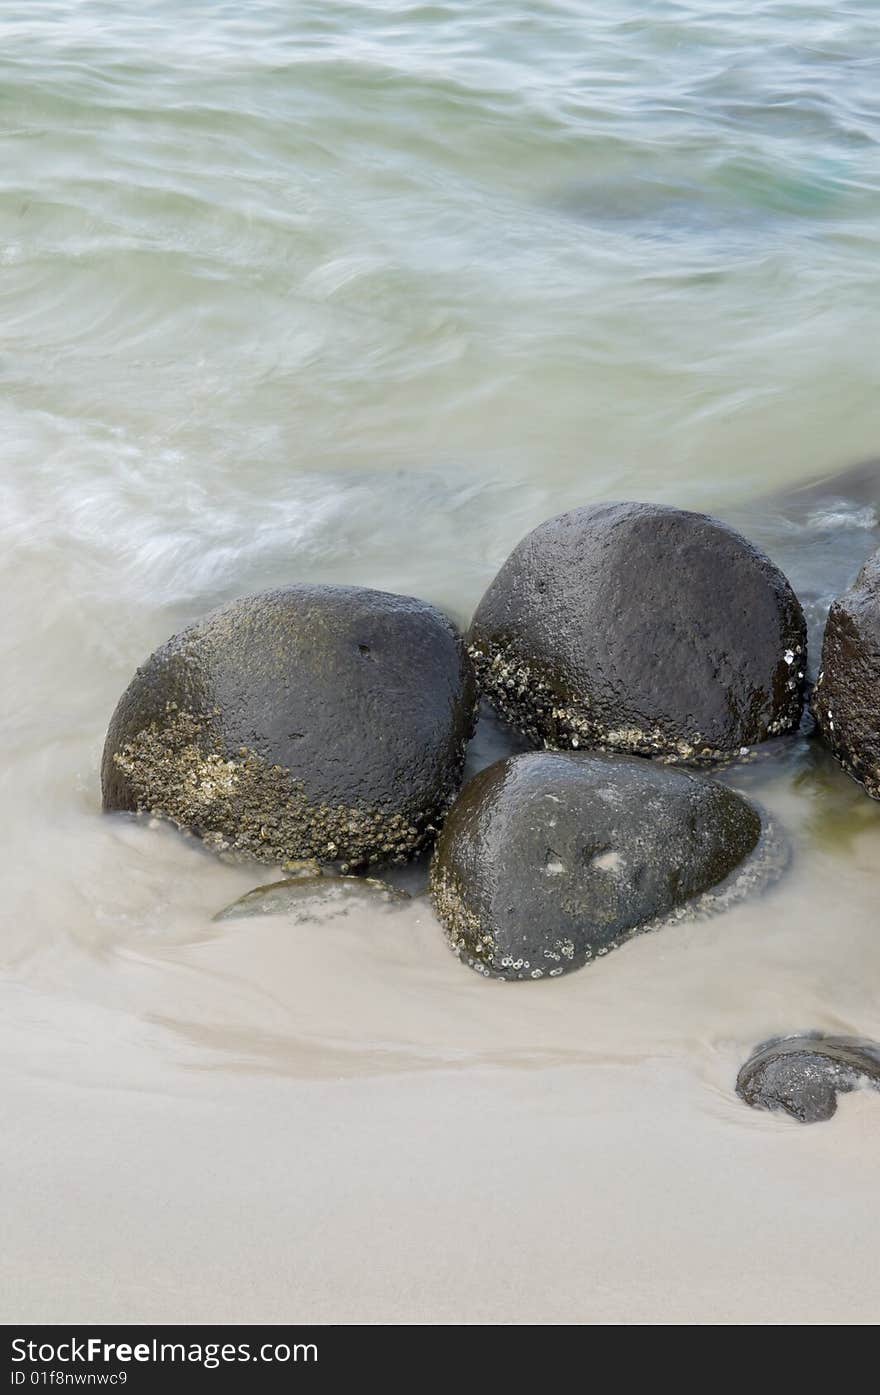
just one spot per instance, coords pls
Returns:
(361, 292)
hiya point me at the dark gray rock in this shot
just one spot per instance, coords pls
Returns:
(642, 629)
(549, 859)
(846, 698)
(804, 1074)
(325, 722)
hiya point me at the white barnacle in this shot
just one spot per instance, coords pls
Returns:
(788, 656)
(609, 861)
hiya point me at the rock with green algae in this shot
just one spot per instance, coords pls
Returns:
(548, 860)
(644, 629)
(323, 722)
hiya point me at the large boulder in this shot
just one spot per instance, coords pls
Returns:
(325, 722)
(643, 629)
(549, 859)
(803, 1075)
(846, 698)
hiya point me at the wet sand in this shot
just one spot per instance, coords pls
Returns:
(272, 1120)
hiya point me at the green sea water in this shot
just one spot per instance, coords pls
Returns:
(287, 281)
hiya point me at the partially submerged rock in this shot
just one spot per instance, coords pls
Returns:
(643, 629)
(294, 894)
(325, 722)
(853, 487)
(804, 1074)
(548, 860)
(846, 697)
(820, 534)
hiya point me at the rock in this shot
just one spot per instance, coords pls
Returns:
(846, 698)
(293, 895)
(855, 486)
(325, 722)
(549, 859)
(820, 533)
(643, 629)
(804, 1074)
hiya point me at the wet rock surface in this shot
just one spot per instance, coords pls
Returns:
(643, 629)
(548, 860)
(324, 722)
(846, 698)
(295, 895)
(820, 534)
(804, 1074)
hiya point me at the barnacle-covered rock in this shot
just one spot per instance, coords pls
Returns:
(846, 698)
(325, 722)
(643, 629)
(804, 1074)
(547, 860)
